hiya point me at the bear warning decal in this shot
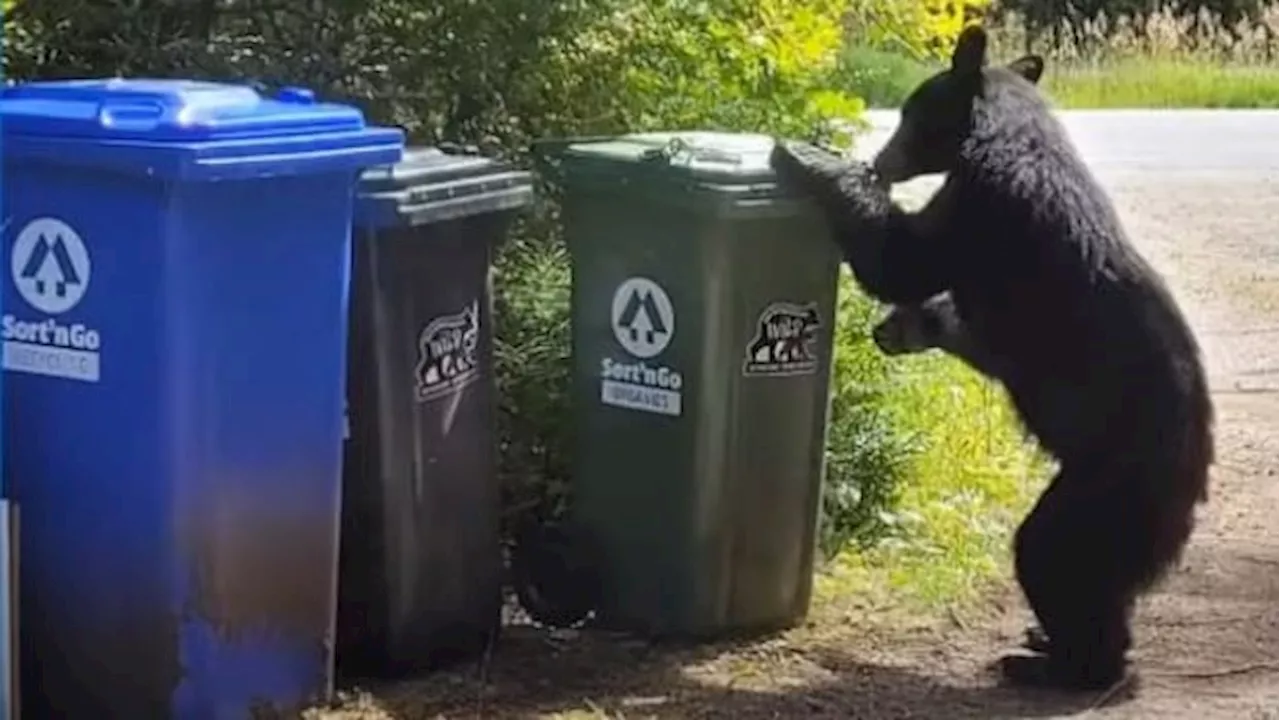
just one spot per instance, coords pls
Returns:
(447, 360)
(784, 339)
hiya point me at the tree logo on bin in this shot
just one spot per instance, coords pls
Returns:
(50, 265)
(643, 319)
(783, 343)
(447, 359)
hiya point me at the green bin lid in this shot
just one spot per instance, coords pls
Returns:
(712, 158)
(429, 185)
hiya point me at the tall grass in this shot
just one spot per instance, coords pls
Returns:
(968, 475)
(1170, 84)
(1163, 60)
(907, 437)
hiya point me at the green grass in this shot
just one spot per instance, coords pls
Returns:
(973, 480)
(1142, 83)
(914, 444)
(884, 79)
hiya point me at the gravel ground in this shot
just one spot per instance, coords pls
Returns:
(1206, 643)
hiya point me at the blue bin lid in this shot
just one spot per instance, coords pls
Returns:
(187, 129)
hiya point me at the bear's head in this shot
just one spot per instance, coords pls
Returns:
(938, 114)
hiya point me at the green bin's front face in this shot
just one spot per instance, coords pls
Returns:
(703, 305)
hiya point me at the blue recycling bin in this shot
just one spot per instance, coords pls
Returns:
(174, 329)
(8, 620)
(8, 698)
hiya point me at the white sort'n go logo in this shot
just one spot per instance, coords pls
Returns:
(50, 269)
(643, 319)
(50, 266)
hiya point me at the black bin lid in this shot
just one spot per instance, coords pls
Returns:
(429, 185)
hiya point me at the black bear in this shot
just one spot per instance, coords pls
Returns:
(1088, 341)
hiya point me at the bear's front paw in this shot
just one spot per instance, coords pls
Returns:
(863, 192)
(844, 187)
(807, 165)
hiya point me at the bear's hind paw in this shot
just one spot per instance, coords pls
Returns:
(1042, 671)
(1036, 640)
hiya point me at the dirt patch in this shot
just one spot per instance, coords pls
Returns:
(1208, 641)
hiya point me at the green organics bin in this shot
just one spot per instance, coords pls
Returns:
(703, 304)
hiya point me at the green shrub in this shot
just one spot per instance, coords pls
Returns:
(868, 449)
(533, 364)
(917, 28)
(883, 78)
(504, 73)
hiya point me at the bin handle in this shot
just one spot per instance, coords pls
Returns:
(129, 114)
(544, 151)
(678, 147)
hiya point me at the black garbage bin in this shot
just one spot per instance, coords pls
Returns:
(421, 561)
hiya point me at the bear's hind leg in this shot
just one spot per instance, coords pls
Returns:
(1036, 583)
(1066, 557)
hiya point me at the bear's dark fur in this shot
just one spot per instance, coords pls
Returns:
(1091, 346)
(934, 323)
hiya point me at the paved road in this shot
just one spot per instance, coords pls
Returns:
(1202, 143)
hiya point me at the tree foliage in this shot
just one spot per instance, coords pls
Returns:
(924, 29)
(1075, 16)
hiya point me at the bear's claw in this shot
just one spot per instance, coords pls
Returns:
(1036, 640)
(806, 163)
(846, 188)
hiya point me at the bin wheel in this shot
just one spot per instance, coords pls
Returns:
(556, 574)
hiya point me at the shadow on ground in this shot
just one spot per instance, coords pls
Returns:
(529, 675)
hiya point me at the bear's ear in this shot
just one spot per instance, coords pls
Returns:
(971, 51)
(1030, 67)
